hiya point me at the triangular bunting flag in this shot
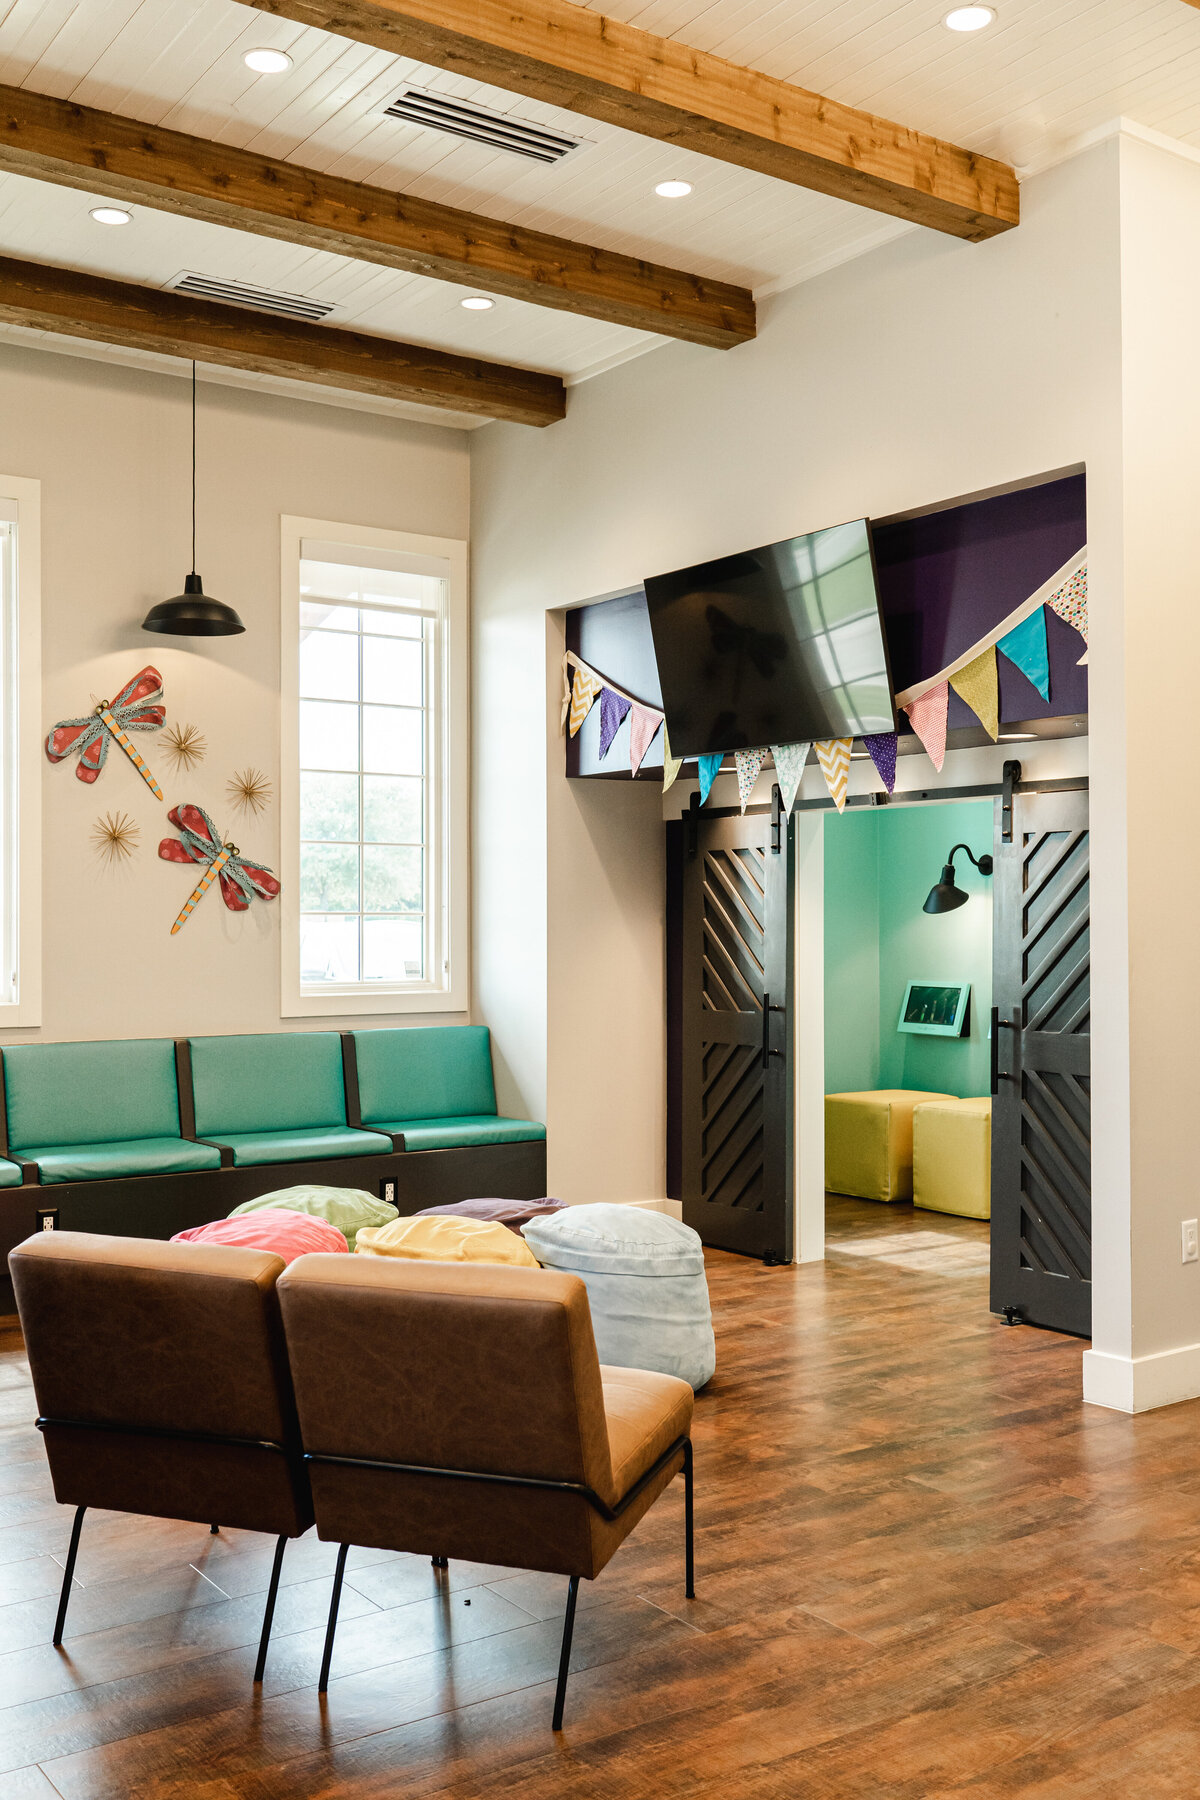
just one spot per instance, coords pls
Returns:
(708, 766)
(584, 688)
(977, 684)
(642, 727)
(671, 764)
(789, 767)
(1026, 646)
(833, 754)
(566, 694)
(613, 708)
(1070, 602)
(927, 716)
(747, 763)
(881, 747)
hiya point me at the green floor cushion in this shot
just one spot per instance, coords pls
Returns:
(128, 1156)
(426, 1072)
(460, 1134)
(285, 1081)
(350, 1209)
(10, 1174)
(102, 1093)
(252, 1147)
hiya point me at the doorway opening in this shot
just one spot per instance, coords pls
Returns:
(907, 1040)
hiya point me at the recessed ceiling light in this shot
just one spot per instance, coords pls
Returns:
(969, 18)
(268, 62)
(1017, 737)
(111, 215)
(673, 190)
(477, 303)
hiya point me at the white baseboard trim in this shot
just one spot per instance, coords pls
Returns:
(1135, 1384)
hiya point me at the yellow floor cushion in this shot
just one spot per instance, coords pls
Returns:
(444, 1239)
(952, 1157)
(868, 1142)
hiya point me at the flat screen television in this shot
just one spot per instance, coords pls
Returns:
(777, 645)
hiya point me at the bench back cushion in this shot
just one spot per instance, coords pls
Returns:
(90, 1093)
(277, 1081)
(426, 1072)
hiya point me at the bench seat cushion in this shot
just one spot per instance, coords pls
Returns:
(128, 1156)
(460, 1133)
(10, 1174)
(253, 1147)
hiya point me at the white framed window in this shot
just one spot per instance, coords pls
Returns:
(373, 771)
(20, 753)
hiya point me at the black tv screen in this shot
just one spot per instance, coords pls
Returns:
(775, 646)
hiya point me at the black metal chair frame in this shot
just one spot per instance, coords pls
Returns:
(593, 1499)
(187, 1437)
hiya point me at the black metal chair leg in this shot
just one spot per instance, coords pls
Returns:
(564, 1660)
(689, 1559)
(213, 1530)
(68, 1574)
(440, 1562)
(339, 1572)
(269, 1614)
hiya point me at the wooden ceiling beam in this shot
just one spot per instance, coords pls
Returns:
(144, 318)
(78, 146)
(573, 57)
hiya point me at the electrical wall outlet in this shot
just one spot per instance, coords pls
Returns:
(1190, 1230)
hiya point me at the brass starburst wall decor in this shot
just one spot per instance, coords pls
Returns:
(185, 747)
(249, 791)
(115, 837)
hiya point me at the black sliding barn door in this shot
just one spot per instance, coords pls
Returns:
(734, 978)
(1041, 1066)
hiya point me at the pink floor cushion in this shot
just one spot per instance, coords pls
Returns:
(286, 1234)
(513, 1213)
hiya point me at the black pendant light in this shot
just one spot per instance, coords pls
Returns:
(193, 613)
(946, 896)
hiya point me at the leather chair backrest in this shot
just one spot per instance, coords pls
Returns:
(136, 1333)
(447, 1366)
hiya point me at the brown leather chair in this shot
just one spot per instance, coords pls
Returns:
(162, 1386)
(460, 1410)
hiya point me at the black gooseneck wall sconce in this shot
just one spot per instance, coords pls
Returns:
(945, 896)
(193, 613)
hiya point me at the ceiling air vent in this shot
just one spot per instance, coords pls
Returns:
(500, 131)
(244, 293)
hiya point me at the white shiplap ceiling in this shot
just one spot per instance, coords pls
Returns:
(1040, 78)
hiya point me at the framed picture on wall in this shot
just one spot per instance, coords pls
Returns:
(936, 1008)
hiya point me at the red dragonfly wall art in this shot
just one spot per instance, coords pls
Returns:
(199, 841)
(138, 707)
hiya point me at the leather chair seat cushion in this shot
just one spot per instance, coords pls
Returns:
(645, 1413)
(283, 1081)
(463, 1133)
(447, 1240)
(286, 1234)
(128, 1156)
(644, 1273)
(347, 1208)
(512, 1213)
(868, 1142)
(99, 1093)
(429, 1072)
(952, 1157)
(254, 1147)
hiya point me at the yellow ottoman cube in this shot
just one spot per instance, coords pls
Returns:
(869, 1142)
(952, 1157)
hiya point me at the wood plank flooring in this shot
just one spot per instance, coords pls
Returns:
(925, 1572)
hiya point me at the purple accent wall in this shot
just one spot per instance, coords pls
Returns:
(947, 579)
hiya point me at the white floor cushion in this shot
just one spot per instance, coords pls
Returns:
(644, 1274)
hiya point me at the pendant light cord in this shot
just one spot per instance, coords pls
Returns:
(193, 465)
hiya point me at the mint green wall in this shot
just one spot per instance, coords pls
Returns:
(879, 866)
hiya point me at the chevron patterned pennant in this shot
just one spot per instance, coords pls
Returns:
(833, 754)
(584, 688)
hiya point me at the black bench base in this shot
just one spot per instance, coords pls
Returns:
(157, 1206)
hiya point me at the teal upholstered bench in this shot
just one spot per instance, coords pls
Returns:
(277, 1098)
(434, 1085)
(93, 1112)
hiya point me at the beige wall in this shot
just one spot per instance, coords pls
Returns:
(111, 449)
